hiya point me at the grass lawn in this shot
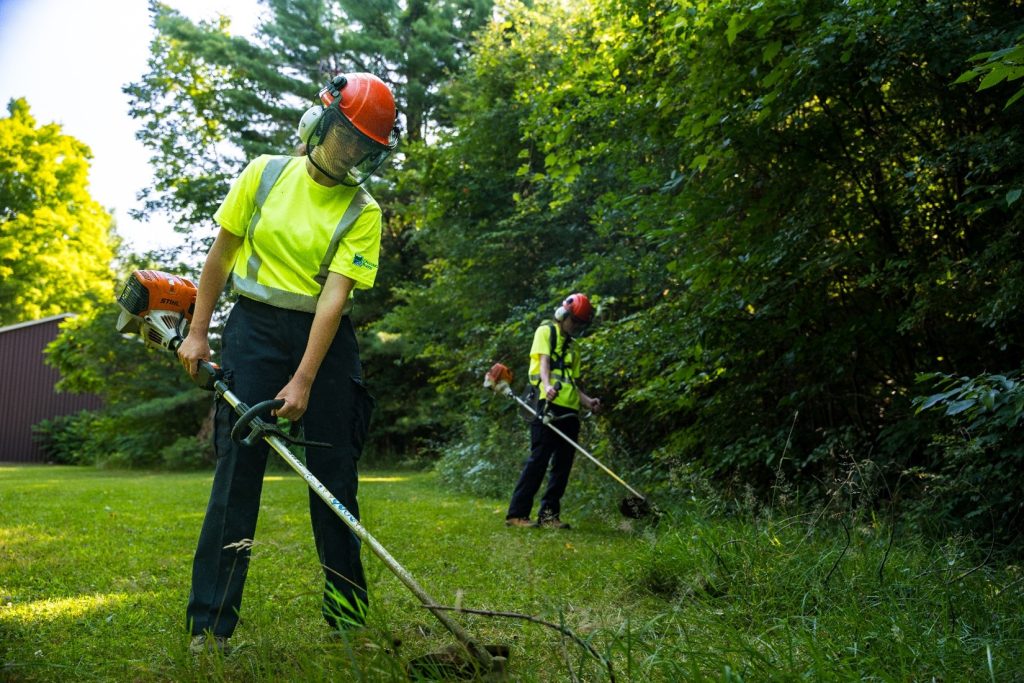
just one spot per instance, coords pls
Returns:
(95, 565)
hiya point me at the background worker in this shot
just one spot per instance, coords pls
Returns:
(297, 235)
(555, 371)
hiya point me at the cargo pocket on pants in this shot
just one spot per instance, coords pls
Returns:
(222, 413)
(362, 409)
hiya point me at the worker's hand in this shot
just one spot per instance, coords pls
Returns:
(552, 391)
(194, 348)
(593, 405)
(296, 399)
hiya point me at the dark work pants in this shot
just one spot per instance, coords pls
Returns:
(545, 447)
(262, 347)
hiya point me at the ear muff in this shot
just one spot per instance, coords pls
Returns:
(561, 313)
(308, 125)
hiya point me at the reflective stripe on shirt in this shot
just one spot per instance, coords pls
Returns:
(250, 286)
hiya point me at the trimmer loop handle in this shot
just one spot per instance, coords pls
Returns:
(252, 419)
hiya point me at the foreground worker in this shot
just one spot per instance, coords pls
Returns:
(555, 372)
(297, 235)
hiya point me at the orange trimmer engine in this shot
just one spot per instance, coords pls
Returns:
(499, 377)
(156, 306)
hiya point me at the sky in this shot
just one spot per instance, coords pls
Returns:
(69, 59)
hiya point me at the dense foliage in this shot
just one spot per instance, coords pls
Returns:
(56, 242)
(787, 210)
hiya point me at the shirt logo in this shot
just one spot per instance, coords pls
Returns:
(361, 261)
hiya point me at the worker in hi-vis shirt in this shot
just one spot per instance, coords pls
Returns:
(297, 235)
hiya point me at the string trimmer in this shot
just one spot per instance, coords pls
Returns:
(499, 378)
(157, 306)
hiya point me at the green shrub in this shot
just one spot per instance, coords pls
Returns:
(976, 477)
(487, 460)
(152, 434)
(62, 438)
(187, 453)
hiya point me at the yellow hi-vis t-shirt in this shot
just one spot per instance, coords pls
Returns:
(568, 396)
(293, 234)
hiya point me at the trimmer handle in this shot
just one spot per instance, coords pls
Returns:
(250, 419)
(547, 403)
(207, 375)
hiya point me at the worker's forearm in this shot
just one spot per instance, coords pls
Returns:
(325, 326)
(215, 274)
(321, 335)
(545, 371)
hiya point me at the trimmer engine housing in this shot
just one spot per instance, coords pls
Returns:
(156, 306)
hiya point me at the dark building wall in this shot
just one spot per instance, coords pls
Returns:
(27, 395)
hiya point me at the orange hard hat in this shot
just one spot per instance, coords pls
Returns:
(367, 102)
(578, 306)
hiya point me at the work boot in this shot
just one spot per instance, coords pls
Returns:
(518, 521)
(209, 643)
(552, 522)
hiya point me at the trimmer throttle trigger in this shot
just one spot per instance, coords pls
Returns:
(207, 375)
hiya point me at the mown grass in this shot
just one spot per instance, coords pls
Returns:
(94, 575)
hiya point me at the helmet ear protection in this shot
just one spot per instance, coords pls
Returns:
(309, 125)
(575, 305)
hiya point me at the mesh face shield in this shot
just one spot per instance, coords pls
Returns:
(344, 154)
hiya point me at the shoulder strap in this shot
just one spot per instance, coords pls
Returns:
(558, 358)
(359, 202)
(271, 172)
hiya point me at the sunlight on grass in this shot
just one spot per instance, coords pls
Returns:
(42, 485)
(12, 535)
(362, 480)
(63, 608)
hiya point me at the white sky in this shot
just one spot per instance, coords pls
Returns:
(70, 58)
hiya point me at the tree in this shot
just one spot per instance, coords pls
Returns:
(785, 208)
(211, 100)
(56, 242)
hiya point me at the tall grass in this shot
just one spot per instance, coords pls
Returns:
(94, 574)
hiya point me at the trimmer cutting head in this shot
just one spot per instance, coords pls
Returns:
(634, 507)
(454, 663)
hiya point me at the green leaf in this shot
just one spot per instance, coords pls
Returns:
(936, 398)
(736, 24)
(958, 407)
(700, 162)
(994, 77)
(967, 76)
(770, 50)
(988, 399)
(1012, 196)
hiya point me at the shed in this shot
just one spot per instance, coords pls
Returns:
(27, 388)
